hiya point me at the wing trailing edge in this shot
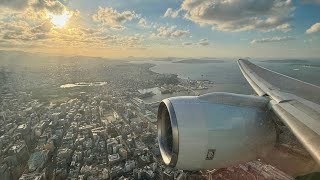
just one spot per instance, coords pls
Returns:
(295, 102)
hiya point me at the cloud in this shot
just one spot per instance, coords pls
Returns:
(31, 28)
(201, 42)
(112, 18)
(314, 28)
(128, 41)
(29, 24)
(14, 4)
(170, 32)
(26, 35)
(44, 27)
(204, 42)
(187, 43)
(308, 40)
(142, 22)
(171, 13)
(272, 39)
(54, 6)
(234, 16)
(22, 31)
(44, 35)
(14, 26)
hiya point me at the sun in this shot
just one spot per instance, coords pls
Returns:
(59, 21)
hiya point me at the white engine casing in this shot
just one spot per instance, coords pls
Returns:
(213, 130)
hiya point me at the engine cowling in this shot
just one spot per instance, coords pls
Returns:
(214, 130)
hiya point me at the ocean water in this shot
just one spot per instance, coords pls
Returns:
(227, 76)
(228, 72)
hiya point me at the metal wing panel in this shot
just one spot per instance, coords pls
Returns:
(269, 81)
(295, 102)
(309, 138)
(251, 80)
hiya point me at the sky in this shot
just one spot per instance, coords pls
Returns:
(163, 28)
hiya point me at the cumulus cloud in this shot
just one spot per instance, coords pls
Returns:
(14, 26)
(25, 35)
(22, 31)
(170, 32)
(54, 6)
(31, 27)
(112, 18)
(272, 39)
(45, 35)
(44, 27)
(30, 24)
(142, 22)
(314, 28)
(171, 13)
(262, 15)
(14, 4)
(204, 42)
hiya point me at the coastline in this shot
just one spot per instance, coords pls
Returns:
(216, 87)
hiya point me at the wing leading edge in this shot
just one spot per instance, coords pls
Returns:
(295, 102)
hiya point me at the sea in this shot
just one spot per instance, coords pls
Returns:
(226, 75)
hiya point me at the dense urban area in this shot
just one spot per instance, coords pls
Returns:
(75, 120)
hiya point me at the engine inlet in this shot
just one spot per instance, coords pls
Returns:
(168, 133)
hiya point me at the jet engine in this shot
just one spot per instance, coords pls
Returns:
(213, 130)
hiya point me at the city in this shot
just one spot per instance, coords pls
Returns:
(159, 90)
(96, 130)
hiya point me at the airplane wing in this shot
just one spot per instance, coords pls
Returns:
(295, 102)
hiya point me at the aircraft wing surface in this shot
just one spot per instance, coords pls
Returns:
(295, 102)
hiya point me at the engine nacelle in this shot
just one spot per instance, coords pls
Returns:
(213, 130)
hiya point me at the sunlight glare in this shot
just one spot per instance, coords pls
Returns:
(59, 20)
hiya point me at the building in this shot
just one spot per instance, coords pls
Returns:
(167, 174)
(137, 173)
(5, 172)
(130, 165)
(123, 153)
(116, 171)
(139, 103)
(37, 161)
(114, 158)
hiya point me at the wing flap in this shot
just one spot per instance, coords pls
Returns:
(295, 102)
(309, 138)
